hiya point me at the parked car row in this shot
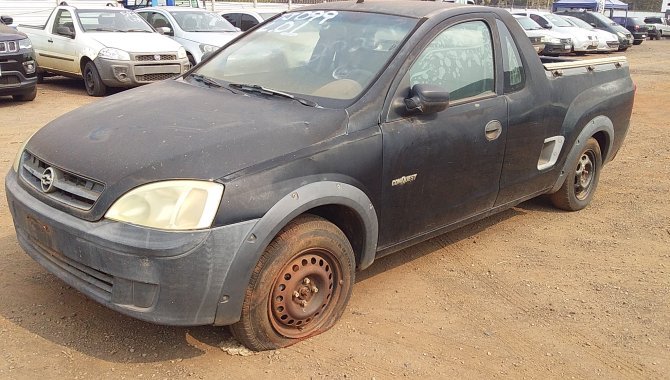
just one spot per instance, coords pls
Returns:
(574, 32)
(110, 46)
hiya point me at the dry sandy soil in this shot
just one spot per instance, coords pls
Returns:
(529, 293)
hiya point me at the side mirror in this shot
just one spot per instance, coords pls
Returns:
(165, 30)
(548, 26)
(65, 31)
(6, 20)
(427, 99)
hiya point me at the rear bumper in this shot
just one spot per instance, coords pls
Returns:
(639, 36)
(172, 278)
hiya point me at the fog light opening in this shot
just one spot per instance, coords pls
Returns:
(121, 73)
(29, 67)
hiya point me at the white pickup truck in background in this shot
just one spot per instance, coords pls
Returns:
(108, 47)
(661, 24)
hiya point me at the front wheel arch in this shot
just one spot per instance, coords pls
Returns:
(328, 199)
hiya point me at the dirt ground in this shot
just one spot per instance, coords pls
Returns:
(529, 293)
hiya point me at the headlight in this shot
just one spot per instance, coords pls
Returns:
(117, 54)
(553, 40)
(181, 53)
(208, 48)
(620, 34)
(25, 44)
(17, 159)
(169, 205)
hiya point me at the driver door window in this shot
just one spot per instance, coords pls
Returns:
(64, 19)
(459, 59)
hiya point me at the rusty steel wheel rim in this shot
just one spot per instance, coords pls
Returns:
(304, 293)
(585, 175)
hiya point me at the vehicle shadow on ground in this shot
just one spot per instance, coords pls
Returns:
(43, 305)
(435, 244)
(57, 84)
(49, 308)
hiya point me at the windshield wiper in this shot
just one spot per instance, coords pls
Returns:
(268, 91)
(138, 30)
(105, 30)
(206, 80)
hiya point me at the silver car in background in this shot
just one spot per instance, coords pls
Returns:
(583, 41)
(198, 30)
(607, 42)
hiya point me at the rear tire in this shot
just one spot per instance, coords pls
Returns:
(27, 96)
(580, 185)
(637, 42)
(299, 287)
(92, 80)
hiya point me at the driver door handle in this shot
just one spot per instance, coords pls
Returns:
(493, 130)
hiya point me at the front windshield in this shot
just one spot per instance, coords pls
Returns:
(578, 22)
(104, 20)
(527, 23)
(323, 54)
(557, 20)
(192, 21)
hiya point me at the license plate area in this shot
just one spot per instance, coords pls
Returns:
(39, 232)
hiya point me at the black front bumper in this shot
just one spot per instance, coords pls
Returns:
(13, 77)
(171, 278)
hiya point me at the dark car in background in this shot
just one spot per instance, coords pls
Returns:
(599, 21)
(636, 26)
(17, 63)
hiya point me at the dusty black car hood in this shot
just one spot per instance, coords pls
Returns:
(174, 129)
(10, 34)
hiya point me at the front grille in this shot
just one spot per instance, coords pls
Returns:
(566, 41)
(9, 79)
(613, 44)
(9, 47)
(100, 280)
(55, 183)
(153, 57)
(154, 77)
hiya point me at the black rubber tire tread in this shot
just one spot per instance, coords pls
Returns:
(254, 330)
(26, 96)
(99, 88)
(565, 198)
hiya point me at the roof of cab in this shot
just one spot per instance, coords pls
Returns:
(408, 8)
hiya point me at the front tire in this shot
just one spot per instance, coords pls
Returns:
(579, 187)
(92, 80)
(299, 287)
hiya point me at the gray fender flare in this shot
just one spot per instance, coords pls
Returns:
(597, 124)
(286, 209)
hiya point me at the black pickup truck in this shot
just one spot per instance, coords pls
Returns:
(318, 141)
(17, 63)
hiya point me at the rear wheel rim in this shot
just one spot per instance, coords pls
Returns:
(585, 175)
(305, 293)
